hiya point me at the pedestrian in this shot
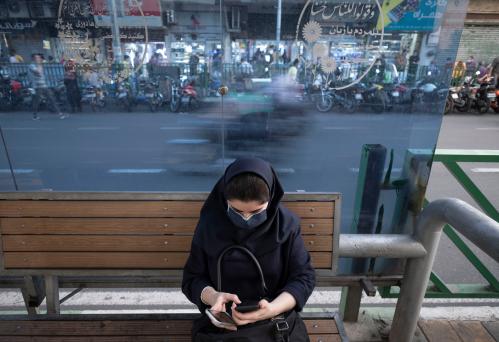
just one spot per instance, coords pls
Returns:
(471, 66)
(193, 64)
(494, 70)
(71, 83)
(458, 73)
(293, 70)
(14, 57)
(243, 221)
(401, 64)
(42, 91)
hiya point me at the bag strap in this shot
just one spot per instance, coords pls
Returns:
(255, 261)
(281, 329)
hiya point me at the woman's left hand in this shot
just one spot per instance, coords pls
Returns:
(265, 311)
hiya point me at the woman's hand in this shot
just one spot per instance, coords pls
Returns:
(267, 310)
(217, 300)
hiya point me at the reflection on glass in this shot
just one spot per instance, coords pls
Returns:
(139, 86)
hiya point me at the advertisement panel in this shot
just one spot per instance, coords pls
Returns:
(412, 15)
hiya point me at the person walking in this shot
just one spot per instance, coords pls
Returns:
(71, 83)
(293, 70)
(494, 70)
(42, 91)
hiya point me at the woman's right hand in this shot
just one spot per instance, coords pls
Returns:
(217, 300)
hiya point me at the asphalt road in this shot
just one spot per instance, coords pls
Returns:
(143, 151)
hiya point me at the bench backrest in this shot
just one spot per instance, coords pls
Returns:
(133, 231)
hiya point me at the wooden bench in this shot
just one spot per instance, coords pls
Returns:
(143, 328)
(55, 240)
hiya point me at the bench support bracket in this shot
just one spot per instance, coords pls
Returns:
(33, 293)
(350, 303)
(52, 291)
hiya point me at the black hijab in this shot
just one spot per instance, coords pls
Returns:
(215, 231)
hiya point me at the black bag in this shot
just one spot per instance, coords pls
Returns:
(286, 327)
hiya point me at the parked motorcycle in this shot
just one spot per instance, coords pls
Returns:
(427, 94)
(481, 101)
(12, 92)
(124, 96)
(461, 97)
(94, 96)
(372, 97)
(493, 95)
(183, 95)
(149, 94)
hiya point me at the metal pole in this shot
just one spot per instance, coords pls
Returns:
(474, 225)
(13, 174)
(115, 31)
(278, 28)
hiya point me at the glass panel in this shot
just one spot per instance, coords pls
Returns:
(127, 78)
(326, 90)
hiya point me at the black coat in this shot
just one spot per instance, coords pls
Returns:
(277, 244)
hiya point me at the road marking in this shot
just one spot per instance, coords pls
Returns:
(134, 171)
(104, 128)
(26, 128)
(18, 171)
(487, 128)
(174, 128)
(485, 170)
(188, 141)
(342, 128)
(394, 170)
(285, 170)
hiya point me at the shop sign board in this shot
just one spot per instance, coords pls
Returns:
(413, 15)
(17, 25)
(132, 13)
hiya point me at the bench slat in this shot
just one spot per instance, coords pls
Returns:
(98, 225)
(92, 328)
(127, 226)
(128, 330)
(137, 209)
(325, 338)
(100, 208)
(321, 326)
(177, 338)
(116, 260)
(119, 243)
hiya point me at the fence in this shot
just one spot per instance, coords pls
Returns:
(439, 289)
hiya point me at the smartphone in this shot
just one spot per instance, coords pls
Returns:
(221, 319)
(245, 307)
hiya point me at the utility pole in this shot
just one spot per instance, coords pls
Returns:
(115, 31)
(278, 28)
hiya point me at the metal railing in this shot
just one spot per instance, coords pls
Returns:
(420, 249)
(440, 289)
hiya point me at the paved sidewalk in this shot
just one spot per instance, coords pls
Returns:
(442, 320)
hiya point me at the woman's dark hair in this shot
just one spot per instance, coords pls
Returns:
(247, 187)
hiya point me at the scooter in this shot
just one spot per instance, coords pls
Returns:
(185, 95)
(461, 97)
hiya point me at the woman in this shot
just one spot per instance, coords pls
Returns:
(244, 209)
